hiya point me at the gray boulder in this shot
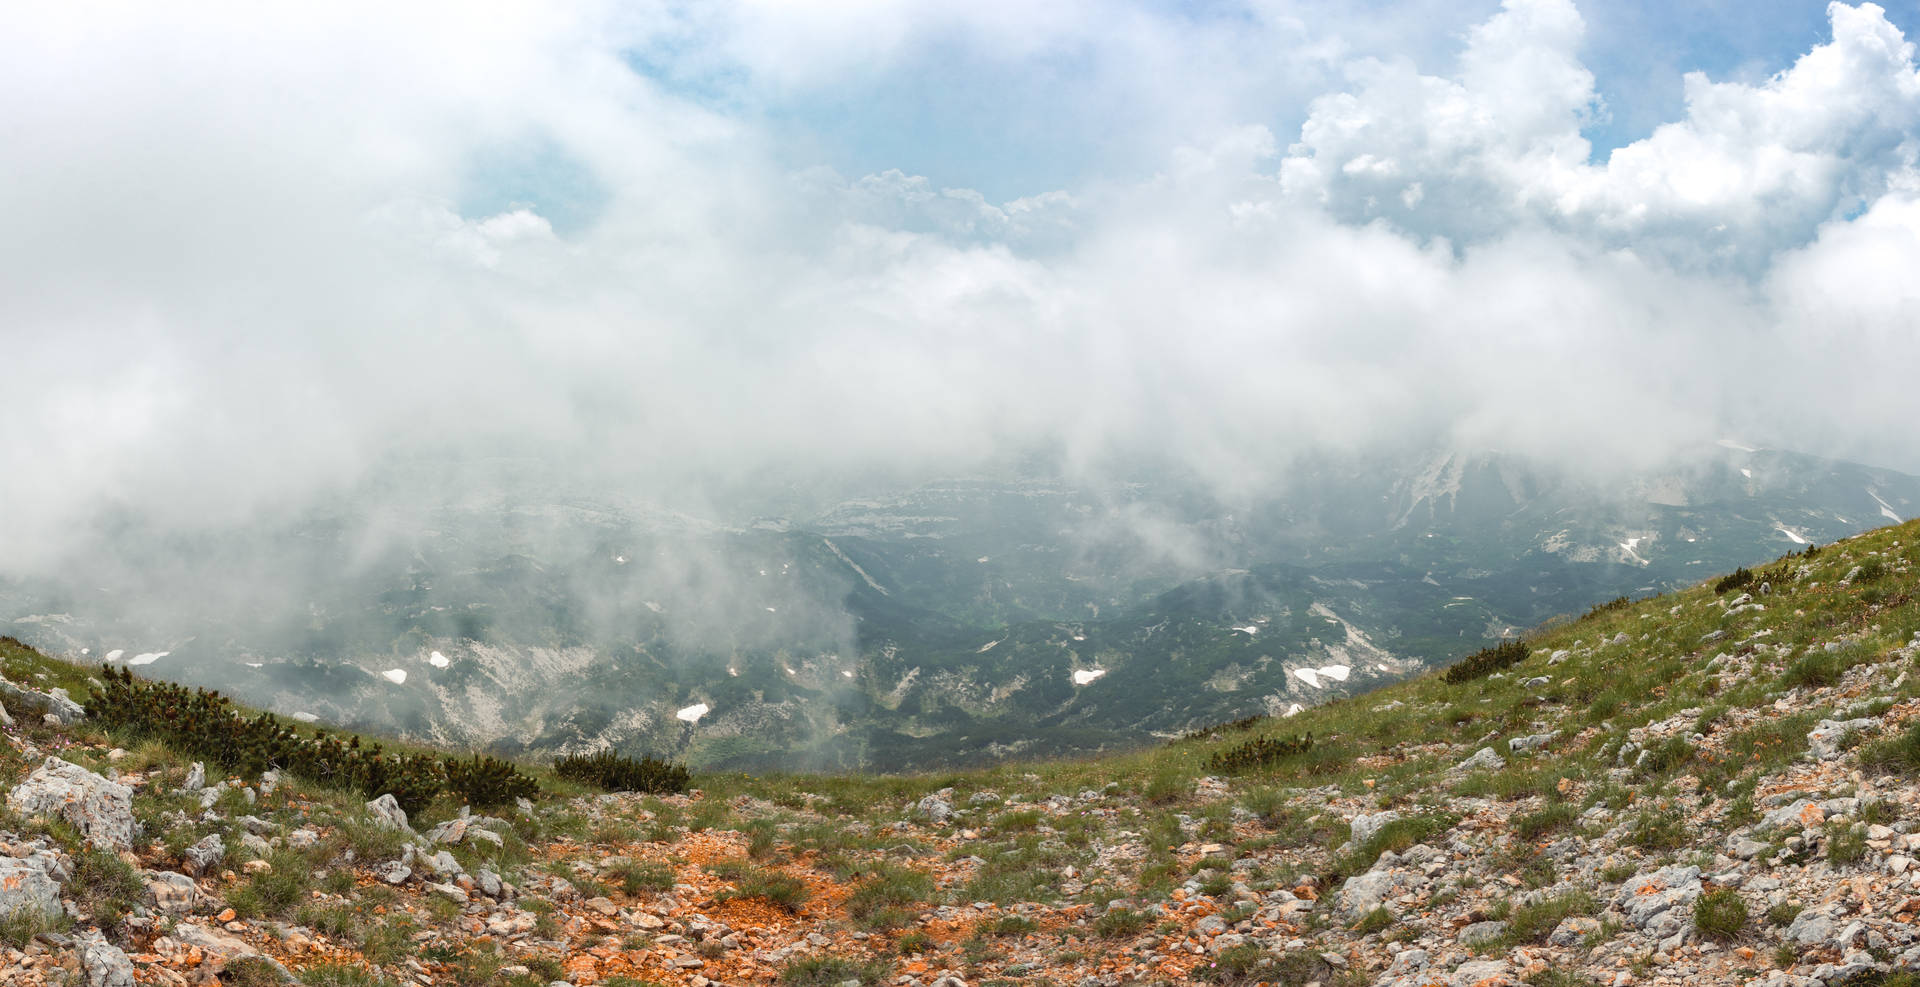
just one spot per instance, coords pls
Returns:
(1483, 759)
(104, 963)
(936, 809)
(170, 893)
(1479, 932)
(1367, 826)
(387, 812)
(205, 855)
(53, 703)
(1825, 737)
(1531, 742)
(32, 883)
(100, 809)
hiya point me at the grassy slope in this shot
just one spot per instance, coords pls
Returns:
(1751, 693)
(1596, 694)
(1660, 670)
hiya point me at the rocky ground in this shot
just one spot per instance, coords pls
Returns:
(1710, 787)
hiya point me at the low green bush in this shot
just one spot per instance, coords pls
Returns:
(1486, 661)
(1720, 914)
(1259, 752)
(619, 773)
(206, 724)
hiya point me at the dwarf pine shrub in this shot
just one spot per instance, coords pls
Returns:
(618, 773)
(1486, 661)
(1742, 576)
(206, 724)
(484, 782)
(1259, 753)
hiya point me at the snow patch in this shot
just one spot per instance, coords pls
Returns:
(1628, 547)
(982, 559)
(254, 664)
(1746, 473)
(1293, 710)
(1338, 673)
(305, 717)
(1249, 630)
(1783, 529)
(1735, 446)
(1310, 676)
(845, 674)
(1886, 510)
(115, 654)
(987, 647)
(398, 676)
(1086, 675)
(693, 713)
(148, 658)
(438, 660)
(619, 560)
(733, 671)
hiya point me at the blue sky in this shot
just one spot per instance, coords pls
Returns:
(964, 112)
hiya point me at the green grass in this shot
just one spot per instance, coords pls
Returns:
(831, 971)
(1898, 754)
(636, 876)
(1720, 914)
(773, 887)
(1121, 923)
(882, 900)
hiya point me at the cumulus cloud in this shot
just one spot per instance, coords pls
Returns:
(255, 256)
(1751, 170)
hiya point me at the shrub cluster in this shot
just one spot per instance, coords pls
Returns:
(1258, 753)
(1617, 603)
(484, 782)
(1240, 725)
(618, 773)
(206, 724)
(1486, 661)
(1734, 580)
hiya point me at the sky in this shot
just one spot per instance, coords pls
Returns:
(254, 253)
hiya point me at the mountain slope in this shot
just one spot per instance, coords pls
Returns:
(947, 624)
(1714, 786)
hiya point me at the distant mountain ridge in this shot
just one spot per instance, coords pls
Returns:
(953, 622)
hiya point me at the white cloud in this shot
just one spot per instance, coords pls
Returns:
(1750, 170)
(238, 275)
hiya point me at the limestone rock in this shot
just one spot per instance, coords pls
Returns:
(101, 810)
(105, 964)
(387, 812)
(205, 855)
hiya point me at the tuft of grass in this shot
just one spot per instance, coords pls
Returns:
(881, 900)
(1845, 844)
(1720, 914)
(636, 876)
(773, 887)
(1898, 754)
(342, 975)
(105, 886)
(1396, 836)
(831, 971)
(1657, 830)
(1818, 669)
(1553, 818)
(18, 927)
(1374, 921)
(1532, 923)
(1121, 923)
